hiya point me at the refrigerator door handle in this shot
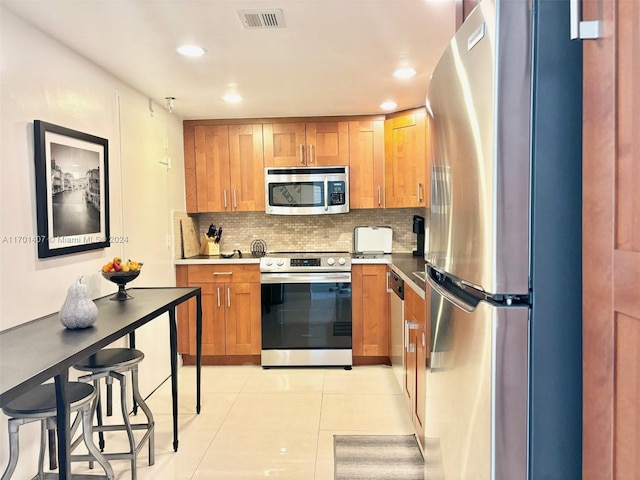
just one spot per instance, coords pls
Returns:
(458, 302)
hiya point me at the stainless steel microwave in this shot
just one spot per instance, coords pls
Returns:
(306, 190)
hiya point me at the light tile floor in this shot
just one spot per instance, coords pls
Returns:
(275, 423)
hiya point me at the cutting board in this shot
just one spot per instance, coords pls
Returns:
(372, 239)
(191, 243)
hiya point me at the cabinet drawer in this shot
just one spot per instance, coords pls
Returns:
(223, 273)
(415, 303)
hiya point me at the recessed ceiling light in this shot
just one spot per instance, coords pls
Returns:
(405, 72)
(388, 105)
(232, 98)
(191, 50)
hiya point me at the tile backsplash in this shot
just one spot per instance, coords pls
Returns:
(299, 233)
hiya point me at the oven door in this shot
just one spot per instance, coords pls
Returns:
(306, 319)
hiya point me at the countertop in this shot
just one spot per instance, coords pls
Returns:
(401, 263)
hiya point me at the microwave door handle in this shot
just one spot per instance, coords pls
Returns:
(326, 194)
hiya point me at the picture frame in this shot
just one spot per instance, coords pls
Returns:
(72, 190)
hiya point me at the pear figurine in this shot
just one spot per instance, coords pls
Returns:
(78, 310)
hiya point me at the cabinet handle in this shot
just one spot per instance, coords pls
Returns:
(581, 30)
(408, 325)
(419, 192)
(310, 153)
(235, 200)
(223, 273)
(229, 297)
(379, 196)
(389, 283)
(424, 341)
(302, 154)
(225, 199)
(218, 297)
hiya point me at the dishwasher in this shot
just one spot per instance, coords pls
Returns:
(395, 286)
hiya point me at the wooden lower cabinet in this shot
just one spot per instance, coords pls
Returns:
(230, 313)
(415, 360)
(370, 313)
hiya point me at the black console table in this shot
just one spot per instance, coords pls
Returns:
(41, 349)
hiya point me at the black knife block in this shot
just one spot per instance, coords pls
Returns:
(418, 228)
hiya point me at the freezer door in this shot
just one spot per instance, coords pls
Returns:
(476, 412)
(479, 102)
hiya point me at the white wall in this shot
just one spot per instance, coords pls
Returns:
(42, 79)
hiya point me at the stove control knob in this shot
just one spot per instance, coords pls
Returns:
(342, 261)
(268, 262)
(280, 262)
(330, 261)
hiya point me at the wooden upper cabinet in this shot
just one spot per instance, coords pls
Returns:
(406, 172)
(284, 144)
(366, 164)
(212, 168)
(224, 168)
(247, 168)
(306, 144)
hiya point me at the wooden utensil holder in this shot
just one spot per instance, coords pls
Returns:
(209, 247)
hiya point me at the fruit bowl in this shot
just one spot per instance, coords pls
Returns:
(121, 279)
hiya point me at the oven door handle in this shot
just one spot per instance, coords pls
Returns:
(308, 277)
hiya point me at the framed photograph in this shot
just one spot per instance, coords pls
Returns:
(72, 190)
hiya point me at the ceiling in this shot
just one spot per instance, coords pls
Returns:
(331, 57)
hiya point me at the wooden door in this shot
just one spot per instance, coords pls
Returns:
(411, 328)
(370, 310)
(327, 143)
(213, 327)
(421, 383)
(243, 328)
(185, 311)
(284, 144)
(246, 158)
(611, 243)
(366, 164)
(405, 160)
(212, 169)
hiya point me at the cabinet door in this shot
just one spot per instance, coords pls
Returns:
(213, 321)
(284, 144)
(212, 168)
(410, 361)
(406, 160)
(421, 382)
(370, 310)
(366, 164)
(243, 319)
(327, 143)
(246, 168)
(185, 311)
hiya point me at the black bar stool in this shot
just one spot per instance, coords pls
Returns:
(114, 363)
(39, 404)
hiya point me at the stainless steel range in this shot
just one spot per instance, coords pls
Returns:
(306, 309)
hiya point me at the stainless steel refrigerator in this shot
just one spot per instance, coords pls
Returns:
(504, 384)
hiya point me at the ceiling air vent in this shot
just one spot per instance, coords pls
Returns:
(261, 18)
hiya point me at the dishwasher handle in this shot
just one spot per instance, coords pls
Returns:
(395, 284)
